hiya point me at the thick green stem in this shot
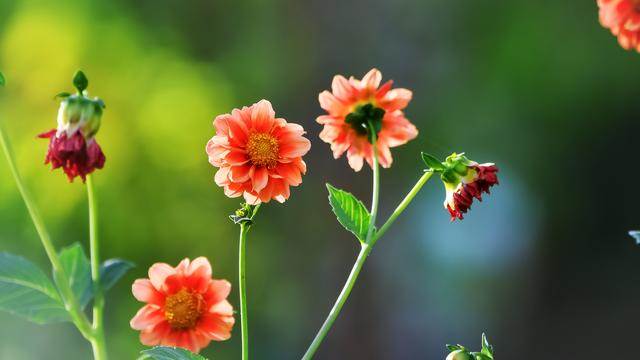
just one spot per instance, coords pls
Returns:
(362, 257)
(242, 283)
(98, 341)
(71, 303)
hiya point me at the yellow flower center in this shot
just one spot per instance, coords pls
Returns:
(183, 309)
(263, 149)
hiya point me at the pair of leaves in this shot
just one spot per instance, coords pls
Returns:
(78, 270)
(350, 212)
(26, 291)
(169, 353)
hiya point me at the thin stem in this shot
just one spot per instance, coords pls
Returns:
(244, 321)
(402, 206)
(340, 301)
(367, 246)
(98, 340)
(71, 303)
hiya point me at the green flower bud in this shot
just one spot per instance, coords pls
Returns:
(460, 355)
(78, 112)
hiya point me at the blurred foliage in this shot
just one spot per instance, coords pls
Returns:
(537, 87)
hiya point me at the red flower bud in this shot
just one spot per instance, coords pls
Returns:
(76, 155)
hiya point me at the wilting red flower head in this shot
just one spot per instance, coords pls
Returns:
(72, 146)
(622, 17)
(352, 104)
(465, 180)
(258, 155)
(185, 306)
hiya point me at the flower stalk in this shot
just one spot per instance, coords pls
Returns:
(244, 217)
(366, 246)
(98, 340)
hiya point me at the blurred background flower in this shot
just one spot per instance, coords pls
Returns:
(538, 87)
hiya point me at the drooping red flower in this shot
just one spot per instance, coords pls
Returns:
(185, 306)
(622, 17)
(258, 155)
(72, 146)
(479, 179)
(354, 106)
(76, 155)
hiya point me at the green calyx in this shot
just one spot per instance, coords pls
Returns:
(244, 215)
(78, 110)
(364, 118)
(452, 170)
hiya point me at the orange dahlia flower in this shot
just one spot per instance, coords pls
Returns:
(185, 306)
(258, 155)
(622, 17)
(353, 104)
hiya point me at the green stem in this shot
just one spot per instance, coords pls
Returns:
(71, 303)
(367, 246)
(402, 206)
(242, 281)
(98, 340)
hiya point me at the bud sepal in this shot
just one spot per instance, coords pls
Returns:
(459, 352)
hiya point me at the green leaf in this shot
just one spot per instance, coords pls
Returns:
(76, 267)
(61, 95)
(80, 81)
(170, 353)
(432, 162)
(26, 291)
(487, 349)
(112, 270)
(2, 80)
(350, 212)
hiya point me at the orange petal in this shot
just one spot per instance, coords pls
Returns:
(144, 291)
(148, 316)
(260, 178)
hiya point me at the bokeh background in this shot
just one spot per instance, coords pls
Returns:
(543, 265)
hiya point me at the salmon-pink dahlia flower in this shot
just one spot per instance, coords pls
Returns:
(258, 155)
(353, 107)
(622, 17)
(185, 306)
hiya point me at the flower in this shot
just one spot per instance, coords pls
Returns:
(353, 107)
(465, 180)
(72, 146)
(258, 155)
(622, 17)
(185, 306)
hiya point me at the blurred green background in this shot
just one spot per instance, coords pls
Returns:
(543, 265)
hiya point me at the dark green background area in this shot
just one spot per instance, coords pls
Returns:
(543, 264)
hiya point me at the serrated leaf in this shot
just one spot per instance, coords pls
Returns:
(112, 270)
(432, 162)
(350, 212)
(170, 353)
(26, 291)
(76, 266)
(2, 79)
(80, 81)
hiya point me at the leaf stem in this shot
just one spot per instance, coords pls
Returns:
(71, 303)
(98, 339)
(242, 281)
